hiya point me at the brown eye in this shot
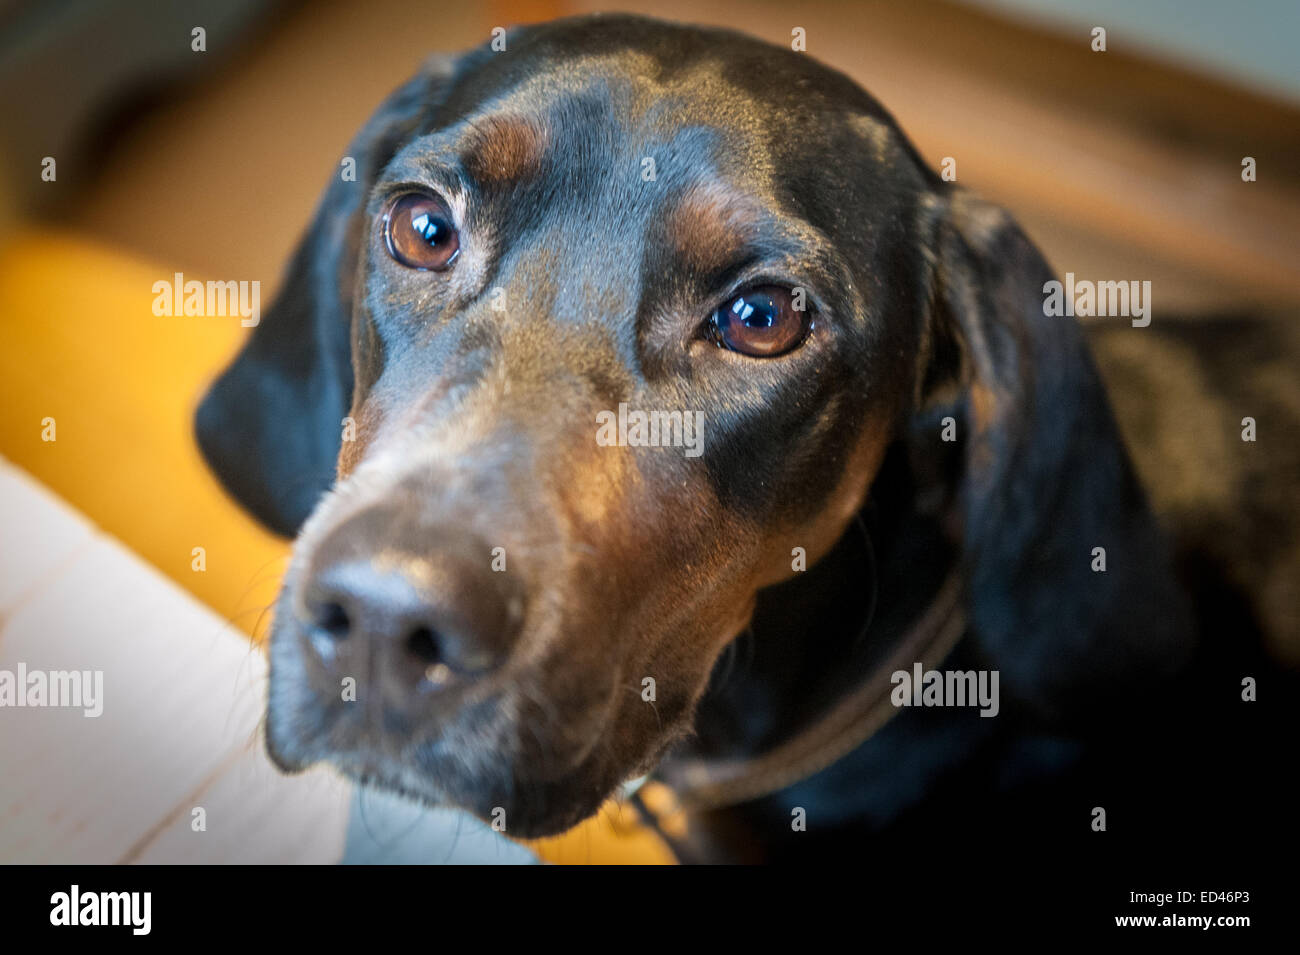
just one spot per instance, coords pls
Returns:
(760, 321)
(419, 232)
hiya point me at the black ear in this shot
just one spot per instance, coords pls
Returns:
(271, 424)
(1043, 480)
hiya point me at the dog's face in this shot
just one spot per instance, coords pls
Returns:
(686, 224)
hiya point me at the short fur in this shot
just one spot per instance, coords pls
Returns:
(477, 425)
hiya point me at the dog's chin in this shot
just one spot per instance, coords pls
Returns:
(515, 805)
(541, 809)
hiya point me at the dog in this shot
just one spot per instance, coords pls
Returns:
(905, 465)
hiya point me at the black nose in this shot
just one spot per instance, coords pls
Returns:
(422, 604)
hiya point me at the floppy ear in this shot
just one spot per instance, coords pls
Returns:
(1043, 480)
(271, 425)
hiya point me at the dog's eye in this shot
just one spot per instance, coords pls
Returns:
(419, 233)
(761, 321)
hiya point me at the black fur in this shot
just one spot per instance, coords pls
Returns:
(931, 307)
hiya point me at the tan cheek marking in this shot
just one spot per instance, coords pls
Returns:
(597, 486)
(818, 537)
(367, 352)
(356, 437)
(504, 149)
(983, 406)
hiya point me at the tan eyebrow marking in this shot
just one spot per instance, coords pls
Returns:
(707, 227)
(505, 148)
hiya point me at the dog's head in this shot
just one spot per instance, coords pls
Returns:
(605, 326)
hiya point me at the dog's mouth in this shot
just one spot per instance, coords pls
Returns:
(506, 773)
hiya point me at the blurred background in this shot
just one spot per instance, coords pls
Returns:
(1120, 164)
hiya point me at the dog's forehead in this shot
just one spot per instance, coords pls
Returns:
(715, 68)
(614, 108)
(702, 147)
(722, 102)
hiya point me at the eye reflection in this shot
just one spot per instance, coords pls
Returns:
(761, 322)
(419, 232)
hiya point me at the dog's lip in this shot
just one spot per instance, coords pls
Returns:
(364, 766)
(281, 756)
(557, 814)
(568, 797)
(372, 768)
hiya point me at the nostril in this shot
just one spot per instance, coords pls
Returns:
(423, 644)
(328, 629)
(332, 620)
